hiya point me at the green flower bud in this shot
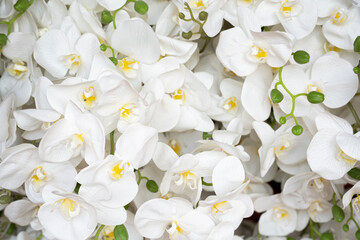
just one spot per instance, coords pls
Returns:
(354, 173)
(357, 44)
(152, 186)
(141, 7)
(106, 17)
(203, 15)
(181, 15)
(282, 120)
(5, 199)
(297, 130)
(315, 97)
(206, 135)
(120, 232)
(357, 234)
(301, 57)
(276, 96)
(326, 236)
(338, 213)
(114, 60)
(3, 40)
(103, 47)
(346, 228)
(187, 35)
(356, 70)
(22, 5)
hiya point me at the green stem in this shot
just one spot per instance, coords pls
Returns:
(117, 10)
(205, 45)
(191, 13)
(205, 183)
(4, 22)
(98, 232)
(40, 236)
(352, 217)
(141, 177)
(312, 227)
(333, 199)
(11, 22)
(352, 109)
(112, 143)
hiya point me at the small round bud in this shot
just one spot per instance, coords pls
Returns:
(301, 57)
(103, 47)
(282, 120)
(152, 186)
(114, 60)
(203, 15)
(22, 5)
(5, 199)
(187, 35)
(346, 228)
(297, 130)
(356, 70)
(357, 44)
(106, 17)
(3, 40)
(120, 232)
(326, 236)
(315, 97)
(338, 213)
(181, 15)
(357, 234)
(141, 7)
(276, 96)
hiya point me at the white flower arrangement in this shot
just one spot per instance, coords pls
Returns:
(179, 119)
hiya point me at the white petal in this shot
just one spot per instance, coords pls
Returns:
(136, 39)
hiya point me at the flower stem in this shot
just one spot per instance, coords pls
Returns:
(356, 116)
(99, 231)
(112, 143)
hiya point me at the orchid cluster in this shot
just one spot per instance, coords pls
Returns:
(179, 119)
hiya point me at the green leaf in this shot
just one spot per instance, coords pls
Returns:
(357, 44)
(11, 229)
(120, 233)
(354, 173)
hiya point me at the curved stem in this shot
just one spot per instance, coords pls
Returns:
(352, 109)
(98, 232)
(205, 183)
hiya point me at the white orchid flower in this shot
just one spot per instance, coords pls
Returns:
(71, 53)
(74, 217)
(114, 179)
(333, 150)
(22, 212)
(78, 135)
(22, 164)
(279, 219)
(341, 28)
(281, 145)
(172, 219)
(16, 78)
(242, 53)
(298, 17)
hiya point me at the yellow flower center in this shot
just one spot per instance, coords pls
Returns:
(175, 231)
(175, 146)
(17, 69)
(230, 104)
(220, 208)
(119, 169)
(338, 17)
(179, 95)
(344, 157)
(280, 213)
(89, 97)
(127, 110)
(69, 208)
(127, 64)
(38, 178)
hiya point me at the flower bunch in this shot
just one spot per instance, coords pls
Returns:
(179, 119)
